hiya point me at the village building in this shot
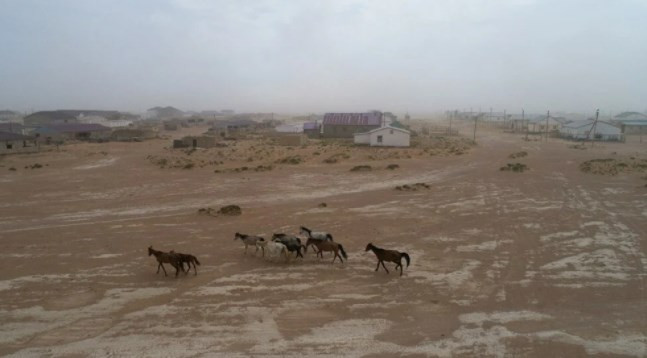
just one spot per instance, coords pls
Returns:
(312, 129)
(12, 127)
(17, 143)
(631, 122)
(71, 131)
(163, 113)
(591, 130)
(63, 116)
(289, 128)
(110, 123)
(204, 141)
(384, 137)
(345, 125)
(10, 116)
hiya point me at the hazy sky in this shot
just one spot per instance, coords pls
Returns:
(303, 56)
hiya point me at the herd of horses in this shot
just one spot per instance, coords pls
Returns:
(283, 244)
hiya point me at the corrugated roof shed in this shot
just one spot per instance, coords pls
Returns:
(353, 119)
(310, 126)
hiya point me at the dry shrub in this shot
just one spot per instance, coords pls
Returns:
(514, 167)
(361, 168)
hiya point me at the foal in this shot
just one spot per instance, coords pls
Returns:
(166, 257)
(388, 255)
(188, 259)
(324, 245)
(248, 240)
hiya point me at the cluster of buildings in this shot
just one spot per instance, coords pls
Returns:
(567, 126)
(372, 128)
(23, 134)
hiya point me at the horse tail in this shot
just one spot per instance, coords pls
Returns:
(196, 260)
(343, 253)
(406, 257)
(329, 237)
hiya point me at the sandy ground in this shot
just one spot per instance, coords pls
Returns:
(546, 262)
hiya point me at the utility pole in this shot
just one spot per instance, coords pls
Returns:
(523, 117)
(547, 116)
(595, 123)
(475, 119)
(450, 124)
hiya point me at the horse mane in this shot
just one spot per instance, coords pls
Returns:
(306, 229)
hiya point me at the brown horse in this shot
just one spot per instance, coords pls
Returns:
(188, 259)
(166, 257)
(388, 255)
(325, 245)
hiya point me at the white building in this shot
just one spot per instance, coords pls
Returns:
(384, 137)
(116, 123)
(289, 128)
(581, 130)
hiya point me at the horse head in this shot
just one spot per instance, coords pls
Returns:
(305, 230)
(369, 246)
(237, 236)
(150, 250)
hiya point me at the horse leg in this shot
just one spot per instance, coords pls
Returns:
(385, 269)
(158, 267)
(378, 266)
(334, 257)
(161, 264)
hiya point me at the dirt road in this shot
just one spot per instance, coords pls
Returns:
(550, 261)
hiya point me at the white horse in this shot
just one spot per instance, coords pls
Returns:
(248, 240)
(273, 249)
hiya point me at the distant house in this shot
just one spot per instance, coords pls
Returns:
(233, 127)
(312, 129)
(345, 125)
(203, 141)
(7, 115)
(539, 124)
(110, 123)
(630, 116)
(289, 128)
(65, 116)
(12, 128)
(79, 131)
(384, 137)
(164, 113)
(17, 143)
(635, 126)
(589, 130)
(631, 122)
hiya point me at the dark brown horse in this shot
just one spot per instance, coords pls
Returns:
(188, 259)
(166, 257)
(388, 255)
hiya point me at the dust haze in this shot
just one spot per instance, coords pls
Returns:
(271, 56)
